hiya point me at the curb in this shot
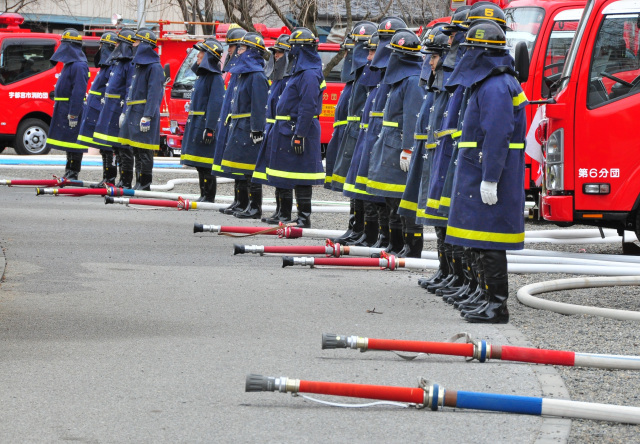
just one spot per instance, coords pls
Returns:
(552, 430)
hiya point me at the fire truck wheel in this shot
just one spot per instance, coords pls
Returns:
(31, 137)
(638, 224)
(2, 148)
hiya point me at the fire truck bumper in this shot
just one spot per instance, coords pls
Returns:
(557, 208)
(174, 142)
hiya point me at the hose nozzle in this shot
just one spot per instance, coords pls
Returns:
(287, 261)
(198, 228)
(259, 383)
(238, 249)
(39, 191)
(331, 341)
(108, 200)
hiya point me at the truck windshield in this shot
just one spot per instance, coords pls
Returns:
(186, 77)
(557, 50)
(573, 50)
(523, 26)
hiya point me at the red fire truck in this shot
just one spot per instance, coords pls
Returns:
(178, 93)
(592, 173)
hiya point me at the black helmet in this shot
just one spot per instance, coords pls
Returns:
(406, 42)
(234, 36)
(109, 38)
(347, 43)
(253, 40)
(282, 44)
(487, 35)
(458, 21)
(127, 36)
(72, 36)
(212, 46)
(372, 44)
(363, 30)
(302, 36)
(389, 25)
(486, 11)
(438, 44)
(146, 35)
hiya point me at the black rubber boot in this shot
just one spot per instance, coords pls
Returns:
(112, 169)
(459, 264)
(352, 220)
(443, 268)
(370, 235)
(236, 196)
(275, 217)
(286, 204)
(200, 183)
(210, 188)
(448, 254)
(73, 166)
(470, 282)
(254, 209)
(303, 204)
(144, 166)
(106, 163)
(357, 231)
(144, 182)
(126, 167)
(475, 299)
(383, 237)
(396, 241)
(414, 243)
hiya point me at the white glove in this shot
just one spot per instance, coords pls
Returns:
(145, 124)
(489, 192)
(73, 120)
(405, 160)
(121, 121)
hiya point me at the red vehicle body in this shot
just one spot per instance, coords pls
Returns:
(592, 172)
(178, 93)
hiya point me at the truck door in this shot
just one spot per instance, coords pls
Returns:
(606, 167)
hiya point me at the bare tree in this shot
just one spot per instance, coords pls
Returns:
(17, 5)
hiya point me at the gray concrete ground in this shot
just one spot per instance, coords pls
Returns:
(120, 325)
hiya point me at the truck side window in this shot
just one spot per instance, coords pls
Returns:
(557, 50)
(615, 63)
(22, 59)
(334, 75)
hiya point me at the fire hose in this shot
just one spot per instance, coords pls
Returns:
(482, 351)
(433, 396)
(55, 182)
(289, 232)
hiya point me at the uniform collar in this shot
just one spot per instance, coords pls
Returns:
(425, 72)
(370, 77)
(400, 67)
(209, 63)
(381, 57)
(456, 52)
(124, 51)
(68, 53)
(478, 64)
(249, 61)
(105, 55)
(145, 55)
(346, 75)
(360, 53)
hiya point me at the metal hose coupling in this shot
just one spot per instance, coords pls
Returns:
(331, 341)
(42, 191)
(108, 200)
(252, 249)
(433, 394)
(288, 261)
(259, 383)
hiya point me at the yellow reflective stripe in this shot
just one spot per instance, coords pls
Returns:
(238, 165)
(291, 175)
(339, 123)
(432, 203)
(456, 134)
(420, 136)
(283, 117)
(197, 159)
(106, 137)
(259, 175)
(520, 99)
(430, 146)
(216, 168)
(339, 179)
(328, 179)
(388, 123)
(362, 180)
(133, 143)
(516, 146)
(445, 133)
(364, 125)
(89, 140)
(386, 186)
(238, 116)
(73, 145)
(424, 215)
(411, 206)
(196, 113)
(376, 114)
(487, 41)
(353, 119)
(467, 144)
(485, 236)
(61, 99)
(271, 120)
(445, 201)
(352, 188)
(112, 96)
(96, 93)
(323, 84)
(137, 102)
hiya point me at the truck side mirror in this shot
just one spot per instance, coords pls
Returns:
(522, 61)
(167, 73)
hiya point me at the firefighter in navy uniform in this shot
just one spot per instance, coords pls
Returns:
(140, 120)
(247, 119)
(361, 33)
(241, 187)
(204, 111)
(69, 94)
(93, 106)
(276, 71)
(296, 157)
(107, 125)
(488, 200)
(386, 177)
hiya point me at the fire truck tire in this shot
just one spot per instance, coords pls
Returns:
(2, 148)
(31, 137)
(637, 227)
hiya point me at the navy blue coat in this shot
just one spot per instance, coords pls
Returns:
(247, 113)
(143, 100)
(409, 203)
(491, 148)
(297, 113)
(385, 177)
(339, 124)
(120, 77)
(69, 94)
(222, 130)
(93, 104)
(204, 111)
